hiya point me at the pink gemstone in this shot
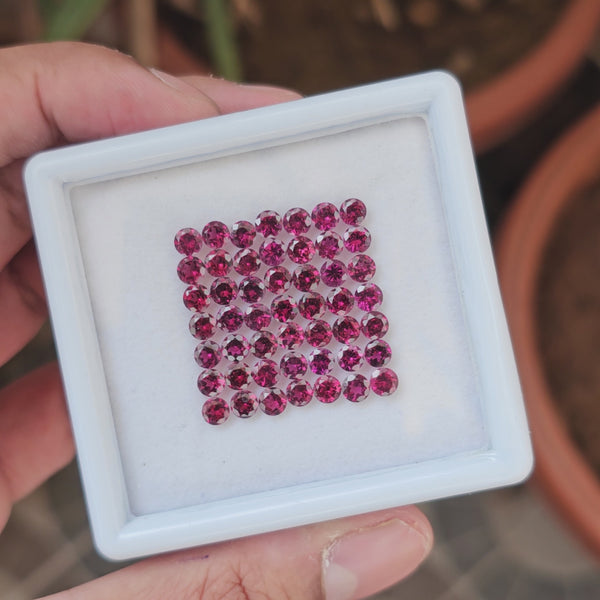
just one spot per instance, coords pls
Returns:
(290, 336)
(296, 221)
(355, 387)
(265, 373)
(246, 262)
(215, 234)
(353, 211)
(293, 365)
(301, 249)
(361, 268)
(264, 344)
(299, 393)
(340, 301)
(190, 269)
(215, 411)
(378, 353)
(350, 358)
(306, 278)
(273, 402)
(368, 296)
(223, 290)
(283, 308)
(238, 377)
(325, 216)
(346, 329)
(243, 234)
(211, 382)
(208, 354)
(311, 305)
(329, 244)
(235, 347)
(257, 317)
(230, 318)
(318, 333)
(272, 252)
(327, 389)
(277, 279)
(333, 272)
(244, 404)
(252, 289)
(321, 361)
(374, 325)
(196, 298)
(384, 382)
(218, 263)
(357, 239)
(188, 241)
(202, 325)
(268, 223)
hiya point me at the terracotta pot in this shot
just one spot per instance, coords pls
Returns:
(570, 166)
(501, 107)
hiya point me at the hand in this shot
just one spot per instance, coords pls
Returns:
(61, 93)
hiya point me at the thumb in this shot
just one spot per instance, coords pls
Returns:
(345, 559)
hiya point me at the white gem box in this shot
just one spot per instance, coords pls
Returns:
(156, 476)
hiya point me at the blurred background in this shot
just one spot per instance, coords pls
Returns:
(531, 76)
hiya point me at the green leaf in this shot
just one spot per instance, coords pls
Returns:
(69, 19)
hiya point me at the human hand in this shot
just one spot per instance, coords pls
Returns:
(65, 92)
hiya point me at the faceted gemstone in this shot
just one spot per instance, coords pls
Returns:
(311, 305)
(306, 278)
(301, 249)
(277, 279)
(293, 365)
(265, 373)
(378, 353)
(257, 317)
(325, 216)
(252, 289)
(238, 377)
(190, 269)
(188, 241)
(208, 354)
(218, 263)
(244, 404)
(384, 382)
(318, 333)
(374, 325)
(235, 347)
(230, 318)
(202, 325)
(272, 402)
(353, 211)
(215, 411)
(340, 301)
(350, 358)
(223, 290)
(355, 387)
(290, 336)
(333, 272)
(272, 252)
(321, 361)
(299, 393)
(268, 223)
(246, 262)
(243, 234)
(357, 239)
(264, 344)
(329, 244)
(346, 329)
(215, 234)
(368, 297)
(195, 298)
(283, 308)
(327, 389)
(296, 221)
(211, 382)
(361, 268)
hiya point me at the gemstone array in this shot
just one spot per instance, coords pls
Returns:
(285, 310)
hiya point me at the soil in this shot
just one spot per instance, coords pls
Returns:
(569, 320)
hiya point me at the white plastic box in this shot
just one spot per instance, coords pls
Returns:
(157, 477)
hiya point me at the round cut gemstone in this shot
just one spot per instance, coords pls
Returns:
(321, 361)
(329, 244)
(272, 252)
(333, 272)
(361, 268)
(246, 262)
(218, 263)
(353, 211)
(243, 234)
(215, 411)
(299, 393)
(268, 223)
(230, 318)
(251, 289)
(238, 377)
(215, 234)
(301, 249)
(293, 365)
(327, 389)
(257, 317)
(273, 402)
(264, 344)
(244, 404)
(188, 241)
(296, 221)
(283, 308)
(235, 347)
(374, 325)
(384, 381)
(306, 278)
(277, 279)
(311, 305)
(346, 329)
(290, 335)
(340, 301)
(355, 387)
(208, 354)
(318, 333)
(350, 358)
(265, 373)
(202, 325)
(378, 353)
(223, 290)
(195, 298)
(190, 269)
(211, 382)
(357, 239)
(325, 216)
(368, 296)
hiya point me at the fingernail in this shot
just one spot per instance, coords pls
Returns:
(362, 563)
(171, 80)
(270, 90)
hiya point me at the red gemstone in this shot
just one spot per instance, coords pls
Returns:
(327, 389)
(277, 279)
(378, 353)
(202, 325)
(188, 241)
(318, 333)
(215, 411)
(246, 262)
(223, 290)
(264, 344)
(350, 358)
(268, 223)
(272, 252)
(325, 216)
(273, 402)
(346, 329)
(230, 318)
(355, 387)
(361, 268)
(329, 244)
(257, 317)
(357, 239)
(353, 211)
(283, 308)
(321, 361)
(374, 325)
(244, 404)
(235, 347)
(384, 382)
(311, 305)
(218, 263)
(301, 249)
(265, 373)
(299, 393)
(243, 234)
(238, 377)
(306, 278)
(290, 336)
(190, 269)
(368, 297)
(296, 221)
(333, 272)
(211, 382)
(215, 234)
(208, 354)
(195, 298)
(340, 301)
(293, 365)
(251, 289)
